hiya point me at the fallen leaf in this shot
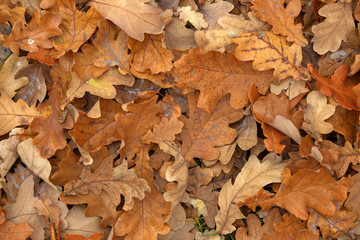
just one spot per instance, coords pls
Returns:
(316, 113)
(195, 18)
(281, 18)
(129, 14)
(338, 23)
(8, 152)
(306, 188)
(253, 176)
(271, 51)
(21, 231)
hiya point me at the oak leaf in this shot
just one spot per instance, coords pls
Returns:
(21, 231)
(134, 124)
(95, 236)
(36, 34)
(178, 172)
(23, 209)
(338, 23)
(214, 11)
(30, 155)
(305, 188)
(334, 226)
(268, 51)
(335, 86)
(8, 83)
(134, 17)
(115, 181)
(14, 114)
(195, 18)
(150, 54)
(215, 75)
(202, 131)
(253, 176)
(114, 47)
(50, 129)
(247, 133)
(77, 26)
(103, 130)
(35, 90)
(352, 202)
(8, 153)
(177, 36)
(81, 225)
(281, 18)
(255, 229)
(290, 228)
(315, 115)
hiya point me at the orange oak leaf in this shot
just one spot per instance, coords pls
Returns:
(273, 139)
(150, 54)
(203, 131)
(216, 74)
(36, 34)
(14, 114)
(290, 228)
(335, 86)
(21, 231)
(113, 45)
(148, 217)
(281, 18)
(114, 181)
(103, 130)
(305, 188)
(134, 17)
(44, 56)
(95, 236)
(35, 90)
(49, 125)
(268, 51)
(134, 124)
(77, 26)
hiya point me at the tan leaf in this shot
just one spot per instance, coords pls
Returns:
(23, 210)
(8, 83)
(14, 114)
(315, 115)
(195, 18)
(134, 17)
(253, 176)
(178, 172)
(213, 11)
(8, 151)
(271, 51)
(30, 155)
(177, 36)
(248, 133)
(338, 23)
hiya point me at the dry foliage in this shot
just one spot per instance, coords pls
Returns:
(179, 119)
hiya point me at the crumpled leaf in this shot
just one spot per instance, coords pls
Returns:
(202, 131)
(335, 86)
(134, 17)
(8, 84)
(115, 181)
(77, 26)
(14, 114)
(36, 34)
(332, 226)
(195, 18)
(150, 54)
(305, 188)
(178, 172)
(30, 155)
(317, 111)
(215, 75)
(338, 23)
(281, 18)
(8, 152)
(271, 51)
(253, 176)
